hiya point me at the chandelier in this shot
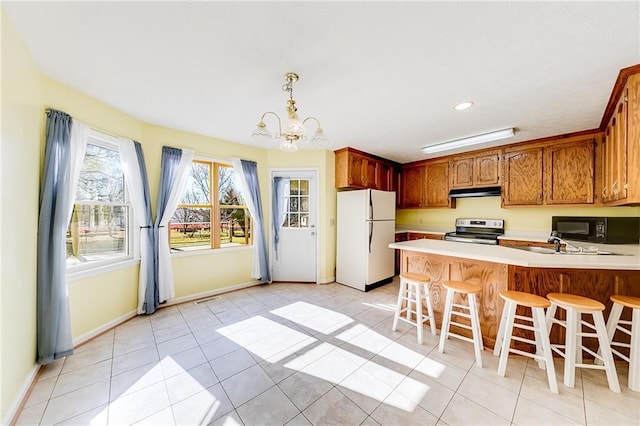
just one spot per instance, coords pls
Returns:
(294, 129)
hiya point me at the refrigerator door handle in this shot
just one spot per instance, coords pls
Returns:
(370, 234)
(370, 209)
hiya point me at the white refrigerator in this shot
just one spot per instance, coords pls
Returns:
(365, 228)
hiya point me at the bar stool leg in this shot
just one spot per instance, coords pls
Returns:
(603, 341)
(506, 325)
(500, 337)
(446, 320)
(432, 318)
(401, 292)
(634, 352)
(418, 298)
(477, 333)
(544, 346)
(570, 348)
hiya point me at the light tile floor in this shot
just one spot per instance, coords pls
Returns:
(300, 354)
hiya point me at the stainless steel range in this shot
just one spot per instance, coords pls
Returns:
(478, 231)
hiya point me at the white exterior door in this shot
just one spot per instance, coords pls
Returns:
(295, 256)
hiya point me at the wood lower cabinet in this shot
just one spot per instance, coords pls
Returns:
(359, 170)
(523, 176)
(495, 277)
(569, 172)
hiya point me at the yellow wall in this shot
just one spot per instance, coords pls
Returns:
(25, 95)
(528, 219)
(22, 119)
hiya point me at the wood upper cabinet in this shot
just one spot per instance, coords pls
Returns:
(555, 172)
(437, 185)
(358, 170)
(476, 171)
(619, 153)
(412, 186)
(425, 184)
(569, 172)
(523, 176)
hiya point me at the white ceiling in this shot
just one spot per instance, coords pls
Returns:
(382, 77)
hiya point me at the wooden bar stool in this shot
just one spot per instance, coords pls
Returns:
(414, 289)
(633, 330)
(470, 289)
(543, 352)
(576, 306)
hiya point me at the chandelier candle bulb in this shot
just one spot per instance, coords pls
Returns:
(294, 129)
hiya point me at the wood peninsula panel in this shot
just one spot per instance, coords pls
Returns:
(596, 284)
(491, 276)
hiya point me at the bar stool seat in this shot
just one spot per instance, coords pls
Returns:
(576, 306)
(630, 328)
(469, 289)
(414, 290)
(543, 353)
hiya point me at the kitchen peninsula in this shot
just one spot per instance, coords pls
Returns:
(499, 268)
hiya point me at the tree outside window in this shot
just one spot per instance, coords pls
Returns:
(212, 213)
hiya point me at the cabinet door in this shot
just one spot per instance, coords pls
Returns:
(370, 168)
(523, 177)
(412, 187)
(486, 170)
(385, 177)
(357, 170)
(437, 185)
(462, 173)
(619, 176)
(569, 173)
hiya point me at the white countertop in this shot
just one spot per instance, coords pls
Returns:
(514, 256)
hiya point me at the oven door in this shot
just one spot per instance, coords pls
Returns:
(591, 229)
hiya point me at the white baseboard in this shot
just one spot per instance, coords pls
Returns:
(14, 408)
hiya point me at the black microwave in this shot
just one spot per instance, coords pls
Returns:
(605, 230)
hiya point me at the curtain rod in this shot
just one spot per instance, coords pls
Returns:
(93, 127)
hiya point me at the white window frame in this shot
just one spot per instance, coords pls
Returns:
(82, 270)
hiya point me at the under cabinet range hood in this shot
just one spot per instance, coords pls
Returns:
(490, 191)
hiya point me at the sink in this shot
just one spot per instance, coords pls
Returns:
(547, 250)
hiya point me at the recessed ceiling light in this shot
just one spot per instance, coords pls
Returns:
(463, 105)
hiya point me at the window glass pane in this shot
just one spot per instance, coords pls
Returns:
(229, 192)
(304, 220)
(293, 204)
(294, 187)
(294, 220)
(304, 204)
(101, 177)
(190, 228)
(97, 233)
(304, 187)
(234, 226)
(197, 189)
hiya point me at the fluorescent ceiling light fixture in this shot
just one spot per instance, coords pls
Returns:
(463, 105)
(471, 140)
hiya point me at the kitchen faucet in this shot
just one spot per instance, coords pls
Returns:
(554, 239)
